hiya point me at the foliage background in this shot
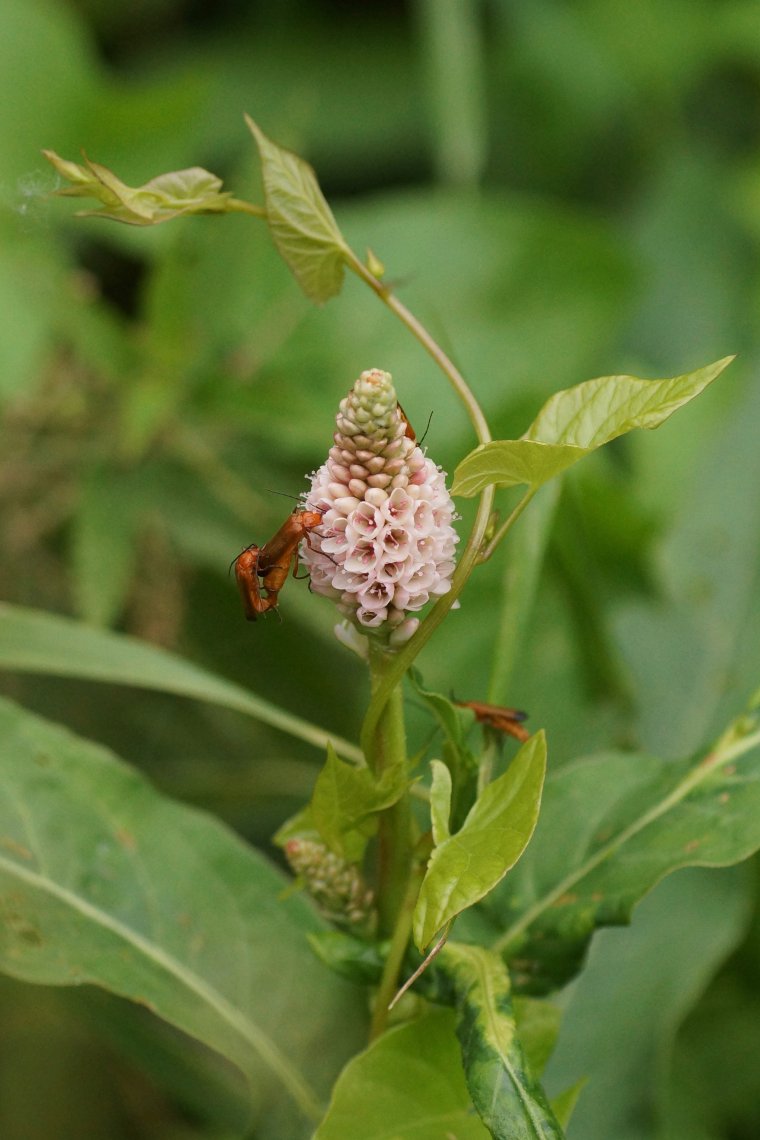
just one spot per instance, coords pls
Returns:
(561, 191)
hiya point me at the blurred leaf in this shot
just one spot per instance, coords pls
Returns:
(105, 882)
(575, 422)
(49, 74)
(683, 649)
(409, 1085)
(510, 1102)
(612, 826)
(300, 220)
(103, 554)
(36, 642)
(538, 1025)
(466, 866)
(697, 917)
(523, 561)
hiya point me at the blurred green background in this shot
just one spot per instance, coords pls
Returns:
(559, 190)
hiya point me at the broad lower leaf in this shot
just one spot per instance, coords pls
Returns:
(576, 421)
(611, 827)
(301, 222)
(496, 831)
(345, 803)
(35, 642)
(647, 978)
(408, 1085)
(104, 881)
(694, 652)
(511, 1103)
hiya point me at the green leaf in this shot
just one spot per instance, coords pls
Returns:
(455, 722)
(104, 881)
(694, 652)
(576, 421)
(511, 1103)
(300, 220)
(611, 827)
(700, 916)
(351, 957)
(345, 803)
(440, 801)
(191, 191)
(408, 1085)
(496, 831)
(35, 642)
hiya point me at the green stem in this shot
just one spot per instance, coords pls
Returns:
(403, 658)
(238, 206)
(447, 366)
(399, 942)
(493, 542)
(387, 750)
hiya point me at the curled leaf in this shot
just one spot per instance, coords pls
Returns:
(191, 191)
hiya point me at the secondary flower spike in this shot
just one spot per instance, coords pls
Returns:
(386, 544)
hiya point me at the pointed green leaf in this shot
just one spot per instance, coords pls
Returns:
(469, 864)
(564, 1104)
(104, 881)
(35, 642)
(611, 827)
(510, 1101)
(301, 222)
(408, 1085)
(593, 413)
(576, 421)
(346, 801)
(440, 801)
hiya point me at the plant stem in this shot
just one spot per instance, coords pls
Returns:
(431, 346)
(493, 542)
(386, 751)
(403, 658)
(399, 941)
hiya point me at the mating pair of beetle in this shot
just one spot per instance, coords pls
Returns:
(266, 567)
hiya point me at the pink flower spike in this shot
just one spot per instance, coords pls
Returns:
(387, 542)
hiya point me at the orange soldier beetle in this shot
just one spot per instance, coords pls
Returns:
(271, 563)
(409, 431)
(495, 716)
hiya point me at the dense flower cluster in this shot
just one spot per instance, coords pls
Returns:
(386, 544)
(337, 887)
